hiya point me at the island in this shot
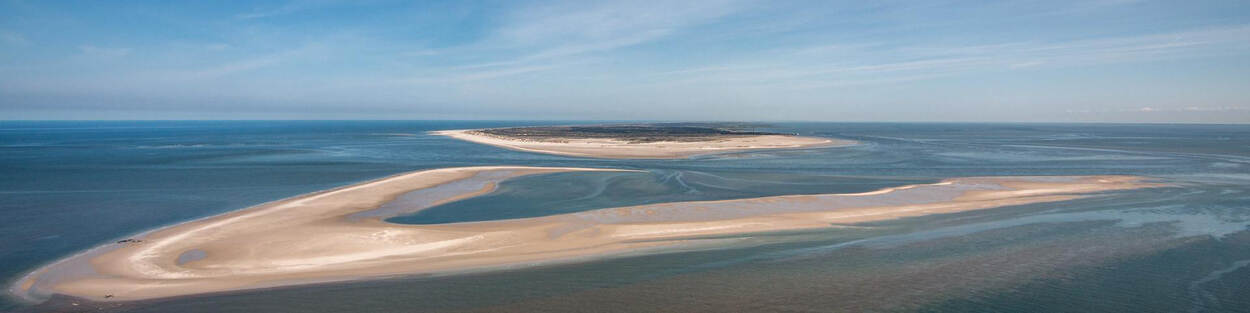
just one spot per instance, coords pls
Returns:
(638, 141)
(342, 234)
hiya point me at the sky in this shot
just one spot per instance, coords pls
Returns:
(944, 61)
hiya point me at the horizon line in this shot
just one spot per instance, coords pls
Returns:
(624, 121)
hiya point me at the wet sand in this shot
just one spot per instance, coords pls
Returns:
(619, 149)
(323, 237)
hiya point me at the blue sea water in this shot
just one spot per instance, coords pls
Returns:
(68, 186)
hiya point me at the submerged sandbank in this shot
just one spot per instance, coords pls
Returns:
(337, 235)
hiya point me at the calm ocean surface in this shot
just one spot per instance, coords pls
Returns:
(69, 186)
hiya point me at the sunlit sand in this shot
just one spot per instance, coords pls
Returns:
(321, 237)
(613, 148)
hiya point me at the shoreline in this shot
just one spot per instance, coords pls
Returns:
(618, 149)
(309, 239)
(15, 286)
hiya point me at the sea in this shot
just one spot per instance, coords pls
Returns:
(67, 186)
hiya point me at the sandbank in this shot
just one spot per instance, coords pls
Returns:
(620, 149)
(323, 237)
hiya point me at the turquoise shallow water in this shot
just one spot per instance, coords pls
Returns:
(68, 186)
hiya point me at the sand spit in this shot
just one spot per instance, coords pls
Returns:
(316, 238)
(618, 149)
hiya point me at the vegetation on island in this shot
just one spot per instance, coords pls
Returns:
(631, 133)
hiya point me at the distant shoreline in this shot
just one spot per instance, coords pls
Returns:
(312, 238)
(656, 145)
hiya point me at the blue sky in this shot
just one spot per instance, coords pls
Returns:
(1060, 61)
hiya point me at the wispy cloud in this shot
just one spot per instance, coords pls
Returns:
(253, 63)
(103, 51)
(488, 74)
(231, 68)
(1224, 109)
(576, 27)
(598, 56)
(13, 38)
(539, 34)
(841, 64)
(288, 8)
(1199, 42)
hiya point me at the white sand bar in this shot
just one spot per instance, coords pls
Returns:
(619, 149)
(315, 237)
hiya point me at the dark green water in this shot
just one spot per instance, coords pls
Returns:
(67, 186)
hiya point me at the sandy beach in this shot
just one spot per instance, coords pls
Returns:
(325, 237)
(618, 149)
